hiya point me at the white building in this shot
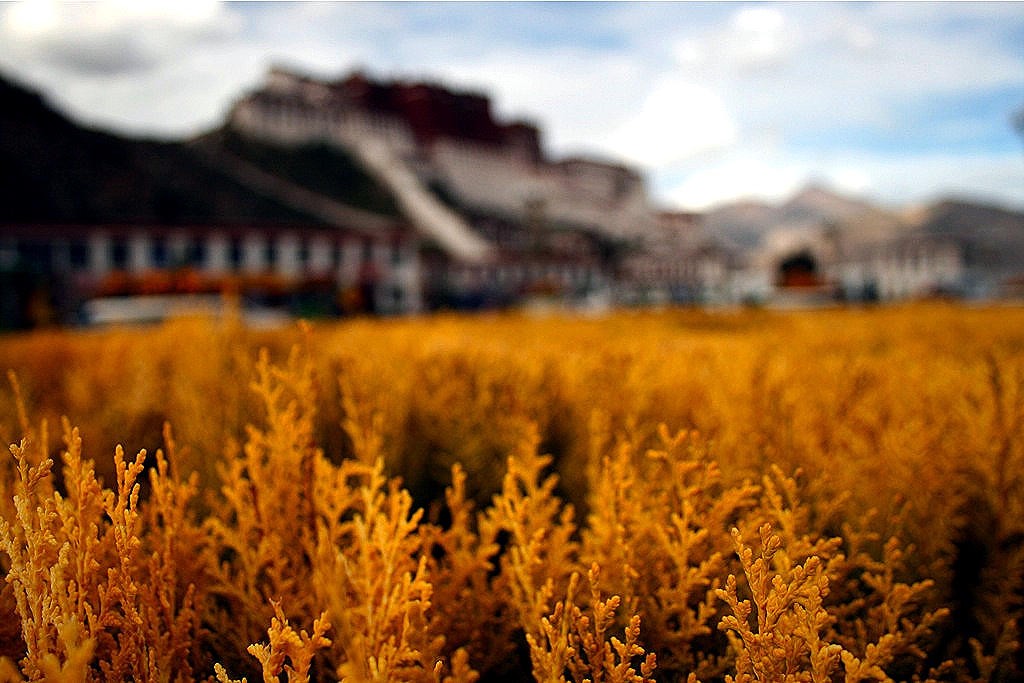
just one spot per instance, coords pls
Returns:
(503, 172)
(278, 266)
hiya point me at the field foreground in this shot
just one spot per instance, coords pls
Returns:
(815, 496)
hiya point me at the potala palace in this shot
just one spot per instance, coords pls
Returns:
(360, 195)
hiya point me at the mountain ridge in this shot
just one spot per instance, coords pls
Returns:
(989, 232)
(55, 171)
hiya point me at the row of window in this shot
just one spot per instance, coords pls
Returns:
(78, 254)
(519, 274)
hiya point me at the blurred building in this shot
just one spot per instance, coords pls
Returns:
(58, 272)
(449, 141)
(502, 222)
(91, 222)
(325, 197)
(819, 247)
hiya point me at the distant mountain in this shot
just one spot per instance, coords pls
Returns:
(54, 171)
(990, 238)
(748, 224)
(742, 224)
(816, 203)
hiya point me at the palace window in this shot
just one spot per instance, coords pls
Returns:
(119, 253)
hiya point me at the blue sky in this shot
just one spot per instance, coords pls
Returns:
(900, 103)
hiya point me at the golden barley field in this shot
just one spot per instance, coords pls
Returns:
(755, 495)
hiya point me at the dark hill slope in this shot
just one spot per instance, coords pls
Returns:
(317, 167)
(53, 171)
(991, 238)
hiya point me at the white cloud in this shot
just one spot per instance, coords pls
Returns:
(718, 91)
(689, 52)
(823, 67)
(752, 39)
(30, 19)
(676, 121)
(893, 180)
(112, 37)
(737, 177)
(167, 68)
(927, 177)
(575, 95)
(759, 35)
(859, 37)
(853, 180)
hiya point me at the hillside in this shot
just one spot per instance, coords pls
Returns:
(741, 223)
(320, 168)
(815, 203)
(991, 238)
(749, 224)
(54, 171)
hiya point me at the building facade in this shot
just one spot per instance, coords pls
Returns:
(53, 271)
(507, 222)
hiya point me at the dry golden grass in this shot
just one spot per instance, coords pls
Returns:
(817, 496)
